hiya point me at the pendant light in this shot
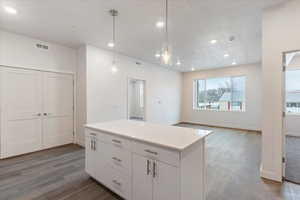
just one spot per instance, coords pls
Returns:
(112, 44)
(166, 55)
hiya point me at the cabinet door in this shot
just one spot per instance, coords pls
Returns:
(21, 105)
(101, 162)
(58, 109)
(142, 178)
(166, 183)
(90, 156)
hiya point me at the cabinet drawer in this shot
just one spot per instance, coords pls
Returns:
(96, 134)
(120, 183)
(118, 142)
(120, 159)
(157, 153)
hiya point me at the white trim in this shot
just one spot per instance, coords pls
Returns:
(294, 134)
(38, 69)
(269, 175)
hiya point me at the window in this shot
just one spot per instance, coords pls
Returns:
(221, 94)
(293, 91)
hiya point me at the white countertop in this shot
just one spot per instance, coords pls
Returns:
(177, 138)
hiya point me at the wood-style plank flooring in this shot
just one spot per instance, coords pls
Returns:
(292, 172)
(233, 159)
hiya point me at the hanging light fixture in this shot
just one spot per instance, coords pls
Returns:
(166, 55)
(112, 44)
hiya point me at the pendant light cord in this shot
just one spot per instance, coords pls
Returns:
(114, 35)
(167, 31)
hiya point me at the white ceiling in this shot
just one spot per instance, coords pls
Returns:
(193, 23)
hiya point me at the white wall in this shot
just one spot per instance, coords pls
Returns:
(81, 94)
(107, 91)
(281, 33)
(21, 51)
(250, 119)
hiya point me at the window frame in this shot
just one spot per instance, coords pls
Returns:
(195, 93)
(285, 91)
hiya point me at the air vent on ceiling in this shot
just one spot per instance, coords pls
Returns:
(41, 46)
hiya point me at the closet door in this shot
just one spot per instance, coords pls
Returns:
(57, 109)
(21, 106)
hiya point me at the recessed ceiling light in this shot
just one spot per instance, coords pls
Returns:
(234, 63)
(157, 55)
(193, 69)
(111, 44)
(213, 41)
(160, 24)
(226, 55)
(114, 69)
(10, 10)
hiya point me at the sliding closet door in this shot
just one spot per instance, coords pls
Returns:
(21, 107)
(57, 109)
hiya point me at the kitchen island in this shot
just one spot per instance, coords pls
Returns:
(145, 161)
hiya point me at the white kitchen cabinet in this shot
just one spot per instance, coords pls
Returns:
(166, 181)
(143, 161)
(97, 158)
(91, 155)
(142, 181)
(154, 180)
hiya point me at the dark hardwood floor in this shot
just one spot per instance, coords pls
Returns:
(233, 159)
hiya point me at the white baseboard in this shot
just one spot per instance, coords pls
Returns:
(80, 144)
(269, 175)
(295, 134)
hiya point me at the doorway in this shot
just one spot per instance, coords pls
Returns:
(136, 99)
(291, 119)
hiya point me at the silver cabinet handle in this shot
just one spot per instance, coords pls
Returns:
(152, 152)
(39, 114)
(94, 145)
(116, 159)
(154, 169)
(116, 141)
(117, 182)
(148, 167)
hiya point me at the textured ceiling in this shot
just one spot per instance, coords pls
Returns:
(193, 23)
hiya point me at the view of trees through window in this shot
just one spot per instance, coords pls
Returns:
(293, 91)
(223, 94)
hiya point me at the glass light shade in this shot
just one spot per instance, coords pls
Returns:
(166, 57)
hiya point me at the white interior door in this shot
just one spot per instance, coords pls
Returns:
(57, 109)
(21, 123)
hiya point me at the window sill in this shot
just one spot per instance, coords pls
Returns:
(229, 111)
(293, 114)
